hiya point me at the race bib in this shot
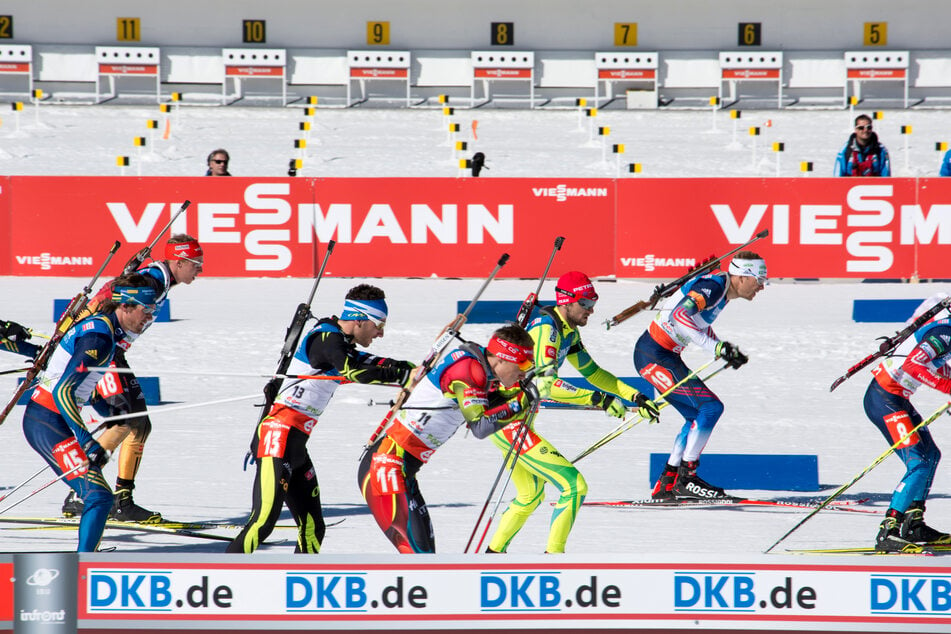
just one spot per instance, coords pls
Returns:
(109, 384)
(386, 474)
(899, 424)
(273, 438)
(512, 432)
(659, 377)
(69, 455)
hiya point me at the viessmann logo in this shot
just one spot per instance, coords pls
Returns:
(562, 192)
(47, 261)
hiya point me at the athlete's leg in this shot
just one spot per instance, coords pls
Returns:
(270, 484)
(303, 500)
(541, 462)
(386, 478)
(50, 436)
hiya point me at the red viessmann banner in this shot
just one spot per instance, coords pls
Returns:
(384, 227)
(458, 227)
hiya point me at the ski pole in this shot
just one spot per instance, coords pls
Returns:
(666, 290)
(175, 408)
(62, 325)
(516, 449)
(634, 419)
(442, 341)
(78, 467)
(525, 310)
(842, 489)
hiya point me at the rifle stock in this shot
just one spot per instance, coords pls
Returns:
(666, 290)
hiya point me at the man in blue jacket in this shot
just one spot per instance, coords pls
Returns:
(863, 155)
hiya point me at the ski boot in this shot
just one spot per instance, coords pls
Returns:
(664, 488)
(889, 539)
(690, 485)
(72, 505)
(914, 529)
(124, 509)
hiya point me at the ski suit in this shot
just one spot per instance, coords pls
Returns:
(285, 473)
(539, 461)
(686, 317)
(460, 390)
(54, 427)
(888, 405)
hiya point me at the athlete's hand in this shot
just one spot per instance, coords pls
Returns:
(731, 354)
(646, 408)
(609, 403)
(12, 330)
(96, 454)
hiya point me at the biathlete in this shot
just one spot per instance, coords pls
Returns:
(285, 473)
(888, 405)
(122, 393)
(475, 386)
(687, 318)
(52, 422)
(555, 339)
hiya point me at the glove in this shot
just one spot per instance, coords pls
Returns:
(646, 408)
(404, 370)
(731, 354)
(96, 455)
(12, 330)
(609, 403)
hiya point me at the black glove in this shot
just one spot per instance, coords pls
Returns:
(404, 370)
(647, 408)
(731, 354)
(12, 330)
(96, 455)
(609, 403)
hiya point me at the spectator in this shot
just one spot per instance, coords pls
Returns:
(863, 155)
(218, 163)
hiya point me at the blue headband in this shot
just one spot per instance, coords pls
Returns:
(364, 309)
(144, 295)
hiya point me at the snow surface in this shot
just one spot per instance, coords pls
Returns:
(85, 140)
(799, 336)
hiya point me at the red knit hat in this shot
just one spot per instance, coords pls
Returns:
(572, 286)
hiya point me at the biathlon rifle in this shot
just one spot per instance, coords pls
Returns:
(889, 344)
(63, 324)
(136, 260)
(666, 290)
(292, 338)
(435, 352)
(525, 310)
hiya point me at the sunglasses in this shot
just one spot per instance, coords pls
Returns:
(863, 127)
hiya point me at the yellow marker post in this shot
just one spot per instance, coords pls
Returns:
(714, 106)
(37, 95)
(736, 115)
(17, 107)
(754, 132)
(778, 147)
(905, 133)
(581, 103)
(618, 150)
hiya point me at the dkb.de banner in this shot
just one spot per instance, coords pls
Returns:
(458, 227)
